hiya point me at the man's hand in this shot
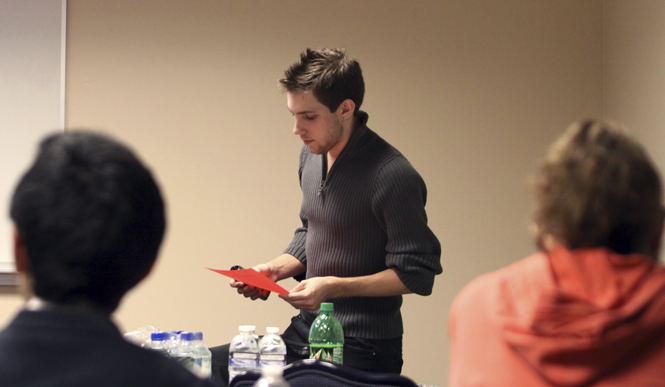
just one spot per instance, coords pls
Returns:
(310, 293)
(251, 291)
(279, 268)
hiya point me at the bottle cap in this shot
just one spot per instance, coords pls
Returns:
(198, 336)
(159, 336)
(245, 328)
(326, 307)
(272, 330)
(187, 336)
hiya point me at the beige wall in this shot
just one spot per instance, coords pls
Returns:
(635, 70)
(470, 91)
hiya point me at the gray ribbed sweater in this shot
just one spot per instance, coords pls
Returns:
(368, 216)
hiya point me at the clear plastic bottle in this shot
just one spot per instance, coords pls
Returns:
(206, 355)
(187, 354)
(243, 352)
(326, 337)
(271, 376)
(172, 343)
(158, 342)
(272, 350)
(252, 329)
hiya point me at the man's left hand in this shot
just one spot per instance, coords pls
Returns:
(310, 293)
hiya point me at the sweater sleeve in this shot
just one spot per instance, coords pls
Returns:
(398, 202)
(297, 245)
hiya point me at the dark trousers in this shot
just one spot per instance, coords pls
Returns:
(373, 355)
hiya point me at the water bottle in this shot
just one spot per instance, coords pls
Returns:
(158, 342)
(206, 356)
(271, 376)
(252, 331)
(172, 343)
(186, 353)
(243, 352)
(326, 337)
(272, 350)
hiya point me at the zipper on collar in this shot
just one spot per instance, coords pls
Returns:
(324, 173)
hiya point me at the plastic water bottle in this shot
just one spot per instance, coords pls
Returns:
(252, 331)
(158, 342)
(243, 353)
(172, 343)
(272, 350)
(326, 337)
(206, 356)
(271, 376)
(186, 353)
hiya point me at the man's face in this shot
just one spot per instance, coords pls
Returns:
(320, 129)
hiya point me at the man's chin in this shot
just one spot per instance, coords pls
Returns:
(315, 151)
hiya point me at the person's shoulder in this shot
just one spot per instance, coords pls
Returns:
(154, 369)
(374, 141)
(475, 290)
(395, 170)
(167, 372)
(386, 155)
(486, 285)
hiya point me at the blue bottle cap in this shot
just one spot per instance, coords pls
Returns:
(187, 336)
(159, 336)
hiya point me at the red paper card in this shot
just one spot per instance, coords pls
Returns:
(252, 278)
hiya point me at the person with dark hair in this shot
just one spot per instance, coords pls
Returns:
(364, 239)
(89, 221)
(589, 309)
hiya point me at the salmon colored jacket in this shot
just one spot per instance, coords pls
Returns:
(587, 317)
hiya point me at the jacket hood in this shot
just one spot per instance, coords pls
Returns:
(575, 316)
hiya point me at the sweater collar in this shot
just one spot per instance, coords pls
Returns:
(358, 139)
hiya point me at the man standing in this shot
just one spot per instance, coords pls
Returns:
(364, 240)
(89, 221)
(589, 309)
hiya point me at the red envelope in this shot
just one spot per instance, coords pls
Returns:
(252, 277)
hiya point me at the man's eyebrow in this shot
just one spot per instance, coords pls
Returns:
(301, 112)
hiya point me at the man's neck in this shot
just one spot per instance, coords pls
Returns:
(37, 304)
(348, 129)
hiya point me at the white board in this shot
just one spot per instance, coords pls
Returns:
(32, 73)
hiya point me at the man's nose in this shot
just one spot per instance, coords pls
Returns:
(298, 129)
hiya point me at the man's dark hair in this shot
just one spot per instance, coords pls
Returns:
(597, 187)
(330, 74)
(91, 217)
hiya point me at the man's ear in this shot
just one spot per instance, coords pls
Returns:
(346, 109)
(20, 253)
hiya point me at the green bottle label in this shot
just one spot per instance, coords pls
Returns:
(326, 352)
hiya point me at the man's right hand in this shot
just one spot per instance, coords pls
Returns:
(284, 266)
(251, 291)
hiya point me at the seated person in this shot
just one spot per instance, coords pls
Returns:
(89, 221)
(589, 308)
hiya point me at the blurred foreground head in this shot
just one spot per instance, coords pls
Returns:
(597, 187)
(89, 221)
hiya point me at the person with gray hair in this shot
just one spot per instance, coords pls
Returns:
(589, 308)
